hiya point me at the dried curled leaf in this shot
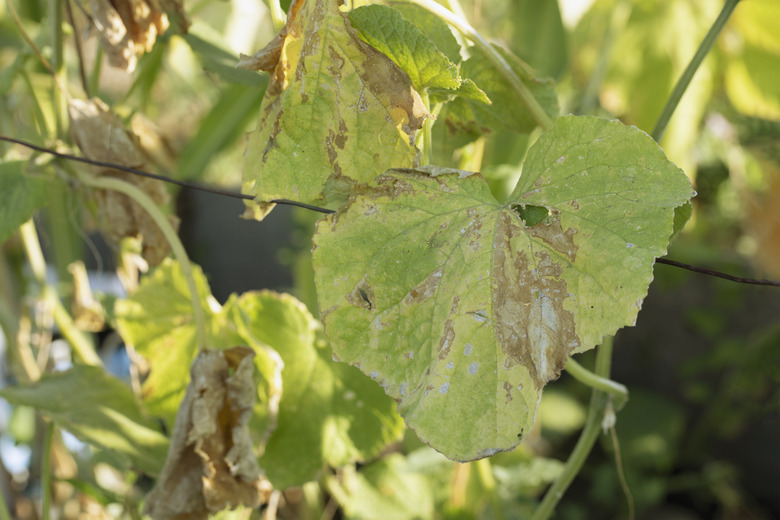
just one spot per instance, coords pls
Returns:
(101, 136)
(129, 28)
(211, 465)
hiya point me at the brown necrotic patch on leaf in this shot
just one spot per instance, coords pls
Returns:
(426, 289)
(211, 464)
(101, 135)
(532, 325)
(362, 295)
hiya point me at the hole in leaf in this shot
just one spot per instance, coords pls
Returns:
(531, 215)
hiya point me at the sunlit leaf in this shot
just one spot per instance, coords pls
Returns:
(336, 110)
(390, 33)
(98, 409)
(461, 311)
(330, 413)
(158, 321)
(432, 26)
(310, 411)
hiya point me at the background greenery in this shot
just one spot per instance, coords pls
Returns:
(698, 439)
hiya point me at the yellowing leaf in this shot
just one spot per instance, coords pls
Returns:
(336, 111)
(463, 308)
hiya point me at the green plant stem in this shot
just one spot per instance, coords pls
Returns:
(536, 110)
(426, 131)
(693, 66)
(81, 344)
(598, 404)
(110, 183)
(618, 391)
(48, 436)
(58, 64)
(278, 16)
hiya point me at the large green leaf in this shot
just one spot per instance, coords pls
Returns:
(98, 409)
(330, 413)
(389, 32)
(507, 111)
(20, 196)
(336, 109)
(463, 311)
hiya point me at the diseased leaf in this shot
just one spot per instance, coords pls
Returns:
(336, 111)
(20, 196)
(98, 409)
(391, 34)
(506, 112)
(101, 135)
(461, 311)
(330, 413)
(211, 463)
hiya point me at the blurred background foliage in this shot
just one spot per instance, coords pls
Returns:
(699, 437)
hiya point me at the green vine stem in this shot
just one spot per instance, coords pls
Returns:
(427, 135)
(137, 195)
(538, 113)
(58, 64)
(618, 392)
(693, 66)
(598, 406)
(81, 344)
(278, 16)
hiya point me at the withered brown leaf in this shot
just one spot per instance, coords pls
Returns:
(129, 28)
(102, 136)
(211, 464)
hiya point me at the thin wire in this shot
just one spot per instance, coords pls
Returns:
(717, 274)
(227, 193)
(163, 178)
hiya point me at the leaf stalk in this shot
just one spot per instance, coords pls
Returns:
(598, 405)
(109, 183)
(278, 16)
(78, 340)
(618, 391)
